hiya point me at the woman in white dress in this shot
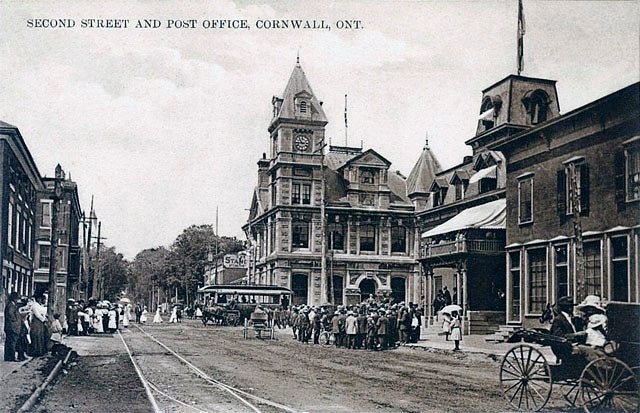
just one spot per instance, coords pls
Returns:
(143, 316)
(112, 320)
(174, 315)
(198, 312)
(157, 319)
(97, 319)
(126, 316)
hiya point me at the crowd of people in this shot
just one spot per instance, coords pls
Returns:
(372, 325)
(30, 332)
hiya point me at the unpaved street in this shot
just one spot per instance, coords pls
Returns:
(304, 377)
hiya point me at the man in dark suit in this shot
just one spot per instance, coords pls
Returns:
(12, 323)
(564, 326)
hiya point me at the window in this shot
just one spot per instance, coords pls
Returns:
(18, 230)
(514, 271)
(306, 194)
(573, 188)
(272, 236)
(525, 200)
(439, 196)
(367, 177)
(633, 173)
(46, 215)
(45, 251)
(488, 184)
(459, 190)
(367, 199)
(367, 238)
(592, 269)
(23, 234)
(336, 233)
(295, 194)
(487, 113)
(303, 107)
(10, 224)
(398, 239)
(620, 268)
(539, 105)
(562, 271)
(537, 280)
(300, 234)
(61, 258)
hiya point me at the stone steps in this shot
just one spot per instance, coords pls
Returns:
(502, 334)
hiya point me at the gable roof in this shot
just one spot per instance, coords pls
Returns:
(369, 152)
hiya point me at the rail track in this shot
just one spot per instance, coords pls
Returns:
(170, 385)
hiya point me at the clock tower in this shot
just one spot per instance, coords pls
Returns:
(296, 135)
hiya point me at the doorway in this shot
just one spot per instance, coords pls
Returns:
(367, 286)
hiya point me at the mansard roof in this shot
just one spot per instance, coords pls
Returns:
(423, 172)
(298, 86)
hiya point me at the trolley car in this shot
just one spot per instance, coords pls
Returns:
(608, 382)
(232, 304)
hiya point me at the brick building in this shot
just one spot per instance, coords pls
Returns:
(19, 183)
(68, 251)
(370, 231)
(573, 202)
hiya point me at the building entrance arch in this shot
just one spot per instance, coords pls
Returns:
(367, 286)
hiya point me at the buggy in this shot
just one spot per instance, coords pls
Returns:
(607, 382)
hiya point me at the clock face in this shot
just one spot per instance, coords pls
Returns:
(302, 143)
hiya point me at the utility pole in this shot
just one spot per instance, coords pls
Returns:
(575, 198)
(323, 258)
(97, 279)
(55, 197)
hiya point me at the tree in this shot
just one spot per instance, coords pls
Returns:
(114, 273)
(147, 269)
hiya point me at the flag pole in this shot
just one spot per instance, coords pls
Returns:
(521, 32)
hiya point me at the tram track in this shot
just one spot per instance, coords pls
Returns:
(147, 364)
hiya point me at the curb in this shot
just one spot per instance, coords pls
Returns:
(38, 391)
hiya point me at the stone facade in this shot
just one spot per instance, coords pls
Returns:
(370, 231)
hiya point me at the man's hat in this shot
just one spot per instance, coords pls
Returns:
(566, 301)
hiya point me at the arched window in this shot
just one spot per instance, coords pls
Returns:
(538, 107)
(487, 113)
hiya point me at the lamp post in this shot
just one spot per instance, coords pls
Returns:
(55, 198)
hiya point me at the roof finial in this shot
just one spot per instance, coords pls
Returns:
(426, 139)
(298, 57)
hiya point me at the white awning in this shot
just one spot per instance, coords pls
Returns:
(490, 172)
(492, 215)
(487, 114)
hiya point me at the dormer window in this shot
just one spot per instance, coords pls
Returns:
(303, 107)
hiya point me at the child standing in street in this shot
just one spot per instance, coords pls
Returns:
(456, 330)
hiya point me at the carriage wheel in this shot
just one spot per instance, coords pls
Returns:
(609, 385)
(525, 377)
(232, 320)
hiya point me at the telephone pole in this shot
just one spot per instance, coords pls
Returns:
(55, 197)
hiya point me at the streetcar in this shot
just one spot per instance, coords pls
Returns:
(230, 304)
(608, 382)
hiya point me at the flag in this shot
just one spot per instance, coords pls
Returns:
(521, 31)
(345, 111)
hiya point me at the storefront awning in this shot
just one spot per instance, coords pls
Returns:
(492, 215)
(489, 172)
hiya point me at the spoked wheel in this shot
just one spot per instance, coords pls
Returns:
(609, 385)
(525, 377)
(232, 320)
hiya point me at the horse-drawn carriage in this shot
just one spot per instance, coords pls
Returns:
(232, 305)
(260, 323)
(607, 380)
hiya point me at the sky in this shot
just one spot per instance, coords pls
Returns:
(164, 125)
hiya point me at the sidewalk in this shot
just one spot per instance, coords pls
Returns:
(469, 344)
